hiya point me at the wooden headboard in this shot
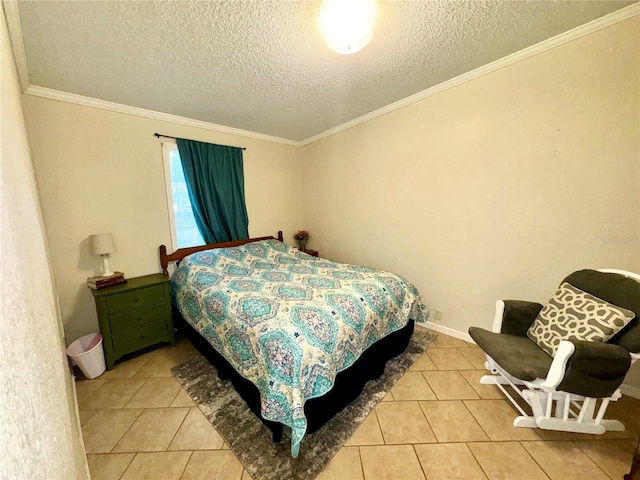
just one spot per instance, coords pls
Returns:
(183, 252)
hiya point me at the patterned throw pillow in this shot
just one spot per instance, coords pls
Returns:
(576, 315)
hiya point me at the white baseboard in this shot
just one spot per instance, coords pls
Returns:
(630, 390)
(447, 331)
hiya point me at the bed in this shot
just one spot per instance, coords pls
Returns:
(298, 336)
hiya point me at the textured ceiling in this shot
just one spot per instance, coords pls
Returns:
(262, 65)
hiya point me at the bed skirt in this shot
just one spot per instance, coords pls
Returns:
(348, 385)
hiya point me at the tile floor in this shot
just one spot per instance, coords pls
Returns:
(438, 422)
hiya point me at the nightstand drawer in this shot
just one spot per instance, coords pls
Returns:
(140, 337)
(136, 298)
(137, 318)
(134, 315)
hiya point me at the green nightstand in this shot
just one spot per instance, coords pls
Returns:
(134, 315)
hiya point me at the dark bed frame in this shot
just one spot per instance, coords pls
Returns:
(348, 384)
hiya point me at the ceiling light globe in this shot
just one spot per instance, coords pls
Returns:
(347, 25)
(349, 41)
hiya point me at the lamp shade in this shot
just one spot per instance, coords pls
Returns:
(101, 244)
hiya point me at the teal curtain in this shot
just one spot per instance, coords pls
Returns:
(215, 180)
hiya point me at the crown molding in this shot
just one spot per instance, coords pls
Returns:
(15, 31)
(12, 17)
(582, 30)
(52, 94)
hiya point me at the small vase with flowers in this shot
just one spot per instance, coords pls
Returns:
(301, 238)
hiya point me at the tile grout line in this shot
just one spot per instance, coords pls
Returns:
(486, 474)
(444, 368)
(176, 395)
(468, 441)
(134, 394)
(384, 440)
(434, 363)
(472, 387)
(125, 432)
(592, 459)
(186, 464)
(149, 451)
(132, 374)
(180, 426)
(143, 408)
(468, 381)
(361, 464)
(474, 417)
(573, 442)
(128, 465)
(424, 414)
(427, 380)
(534, 460)
(93, 412)
(415, 452)
(92, 393)
(420, 374)
(443, 443)
(467, 359)
(438, 398)
(378, 423)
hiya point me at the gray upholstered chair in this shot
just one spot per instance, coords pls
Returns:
(565, 389)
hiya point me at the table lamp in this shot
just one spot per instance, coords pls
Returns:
(103, 245)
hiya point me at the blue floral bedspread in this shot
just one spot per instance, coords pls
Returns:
(287, 321)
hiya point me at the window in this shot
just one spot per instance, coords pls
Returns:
(184, 231)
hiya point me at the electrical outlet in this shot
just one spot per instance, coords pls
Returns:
(438, 315)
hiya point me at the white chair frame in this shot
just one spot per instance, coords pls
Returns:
(554, 409)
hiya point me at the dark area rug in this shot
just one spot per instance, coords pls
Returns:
(251, 441)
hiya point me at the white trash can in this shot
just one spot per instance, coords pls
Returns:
(87, 352)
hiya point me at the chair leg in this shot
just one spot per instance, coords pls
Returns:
(552, 410)
(611, 425)
(582, 421)
(588, 407)
(524, 421)
(493, 380)
(535, 400)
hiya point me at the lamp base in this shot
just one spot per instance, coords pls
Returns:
(106, 268)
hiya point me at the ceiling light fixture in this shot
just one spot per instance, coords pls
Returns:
(347, 25)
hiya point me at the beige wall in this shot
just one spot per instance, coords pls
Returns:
(493, 189)
(102, 171)
(497, 188)
(39, 425)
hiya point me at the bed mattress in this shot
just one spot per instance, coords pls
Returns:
(289, 322)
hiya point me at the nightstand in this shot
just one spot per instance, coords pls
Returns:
(313, 253)
(134, 316)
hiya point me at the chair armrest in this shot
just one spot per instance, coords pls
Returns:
(514, 317)
(591, 369)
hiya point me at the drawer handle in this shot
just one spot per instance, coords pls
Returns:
(140, 318)
(136, 299)
(142, 337)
